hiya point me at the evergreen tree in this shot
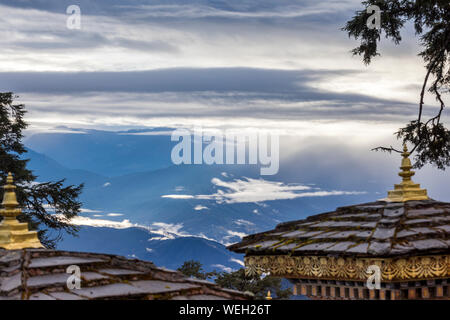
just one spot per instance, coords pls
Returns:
(44, 204)
(259, 286)
(431, 20)
(194, 269)
(238, 280)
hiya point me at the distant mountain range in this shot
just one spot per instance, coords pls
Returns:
(106, 153)
(170, 253)
(130, 182)
(196, 199)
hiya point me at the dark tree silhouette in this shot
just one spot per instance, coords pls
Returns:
(431, 19)
(193, 268)
(238, 280)
(45, 204)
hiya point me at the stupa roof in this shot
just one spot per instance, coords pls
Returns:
(402, 240)
(407, 222)
(379, 228)
(40, 274)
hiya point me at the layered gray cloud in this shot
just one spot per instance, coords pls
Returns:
(173, 62)
(212, 92)
(196, 8)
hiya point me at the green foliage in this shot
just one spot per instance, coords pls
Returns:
(38, 200)
(431, 20)
(194, 269)
(238, 280)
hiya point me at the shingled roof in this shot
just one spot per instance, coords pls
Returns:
(40, 274)
(379, 228)
(407, 222)
(29, 272)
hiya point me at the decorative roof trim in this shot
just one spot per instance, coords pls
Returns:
(352, 269)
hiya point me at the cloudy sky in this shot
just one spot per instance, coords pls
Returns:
(278, 64)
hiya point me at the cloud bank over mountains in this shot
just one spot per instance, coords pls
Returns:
(230, 63)
(247, 190)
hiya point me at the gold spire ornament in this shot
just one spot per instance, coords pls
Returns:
(14, 234)
(407, 189)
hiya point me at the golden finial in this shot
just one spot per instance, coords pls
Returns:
(9, 199)
(14, 234)
(407, 189)
(268, 297)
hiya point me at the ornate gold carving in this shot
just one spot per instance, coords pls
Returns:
(331, 268)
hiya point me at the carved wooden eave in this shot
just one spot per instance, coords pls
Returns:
(327, 256)
(351, 269)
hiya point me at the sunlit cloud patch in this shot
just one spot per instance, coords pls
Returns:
(247, 190)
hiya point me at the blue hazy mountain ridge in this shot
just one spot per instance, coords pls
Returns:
(138, 196)
(105, 153)
(135, 243)
(130, 242)
(48, 169)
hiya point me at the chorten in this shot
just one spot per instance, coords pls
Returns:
(14, 234)
(401, 243)
(407, 189)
